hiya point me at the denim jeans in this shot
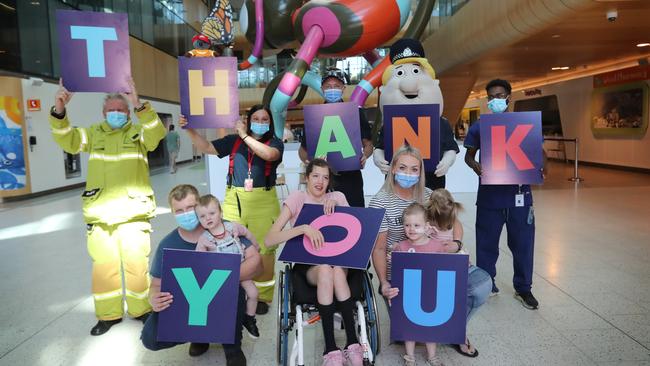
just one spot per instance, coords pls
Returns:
(479, 285)
(150, 331)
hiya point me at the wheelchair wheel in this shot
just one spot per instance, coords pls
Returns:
(372, 324)
(283, 326)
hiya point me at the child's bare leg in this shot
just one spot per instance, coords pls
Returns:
(431, 350)
(409, 346)
(251, 296)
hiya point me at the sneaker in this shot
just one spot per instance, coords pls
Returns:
(334, 358)
(262, 308)
(197, 349)
(409, 360)
(527, 299)
(495, 290)
(250, 323)
(354, 354)
(435, 361)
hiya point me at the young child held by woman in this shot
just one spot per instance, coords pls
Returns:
(223, 236)
(429, 229)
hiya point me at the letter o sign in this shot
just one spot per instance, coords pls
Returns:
(331, 249)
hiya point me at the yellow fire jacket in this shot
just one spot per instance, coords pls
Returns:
(117, 183)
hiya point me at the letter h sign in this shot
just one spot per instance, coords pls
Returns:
(432, 302)
(208, 91)
(511, 148)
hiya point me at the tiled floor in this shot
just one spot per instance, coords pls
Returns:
(592, 277)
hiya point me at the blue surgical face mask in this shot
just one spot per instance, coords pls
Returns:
(187, 220)
(406, 180)
(333, 95)
(498, 105)
(259, 128)
(116, 119)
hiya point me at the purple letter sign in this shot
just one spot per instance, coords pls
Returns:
(511, 148)
(209, 94)
(332, 130)
(432, 302)
(205, 287)
(417, 125)
(350, 234)
(94, 50)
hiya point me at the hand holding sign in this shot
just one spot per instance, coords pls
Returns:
(314, 236)
(61, 98)
(132, 94)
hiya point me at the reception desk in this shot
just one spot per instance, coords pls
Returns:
(460, 177)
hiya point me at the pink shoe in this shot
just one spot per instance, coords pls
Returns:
(334, 358)
(354, 355)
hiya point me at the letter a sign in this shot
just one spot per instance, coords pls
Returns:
(511, 148)
(208, 90)
(332, 131)
(205, 287)
(431, 304)
(94, 51)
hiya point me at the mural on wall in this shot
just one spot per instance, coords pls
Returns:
(12, 151)
(619, 103)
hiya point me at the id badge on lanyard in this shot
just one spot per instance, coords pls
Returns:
(248, 182)
(519, 198)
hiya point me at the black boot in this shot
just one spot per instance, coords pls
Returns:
(143, 318)
(103, 326)
(262, 308)
(197, 349)
(236, 359)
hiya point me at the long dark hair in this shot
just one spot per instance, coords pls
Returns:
(322, 163)
(250, 113)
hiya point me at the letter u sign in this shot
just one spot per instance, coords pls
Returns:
(445, 298)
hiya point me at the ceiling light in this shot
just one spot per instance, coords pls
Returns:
(643, 45)
(556, 68)
(555, 36)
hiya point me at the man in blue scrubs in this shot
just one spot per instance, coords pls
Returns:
(497, 205)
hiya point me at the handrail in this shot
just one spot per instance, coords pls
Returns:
(575, 177)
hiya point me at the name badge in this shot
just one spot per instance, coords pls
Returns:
(248, 185)
(519, 200)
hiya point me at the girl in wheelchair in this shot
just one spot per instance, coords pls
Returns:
(331, 282)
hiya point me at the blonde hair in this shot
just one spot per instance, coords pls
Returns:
(206, 200)
(442, 209)
(389, 183)
(181, 191)
(415, 208)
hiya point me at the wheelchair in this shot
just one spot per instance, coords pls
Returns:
(296, 306)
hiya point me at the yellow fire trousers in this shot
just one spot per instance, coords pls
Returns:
(257, 210)
(120, 255)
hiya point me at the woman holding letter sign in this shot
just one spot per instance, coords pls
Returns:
(331, 282)
(255, 154)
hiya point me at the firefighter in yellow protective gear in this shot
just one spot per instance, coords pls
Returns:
(118, 201)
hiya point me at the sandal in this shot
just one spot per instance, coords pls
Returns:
(466, 354)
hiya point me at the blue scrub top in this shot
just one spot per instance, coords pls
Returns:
(495, 196)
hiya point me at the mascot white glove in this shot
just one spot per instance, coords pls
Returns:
(380, 161)
(445, 163)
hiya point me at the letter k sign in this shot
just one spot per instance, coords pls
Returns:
(199, 298)
(512, 147)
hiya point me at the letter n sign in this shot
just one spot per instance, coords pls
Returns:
(208, 90)
(94, 50)
(432, 301)
(417, 125)
(205, 287)
(332, 131)
(511, 148)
